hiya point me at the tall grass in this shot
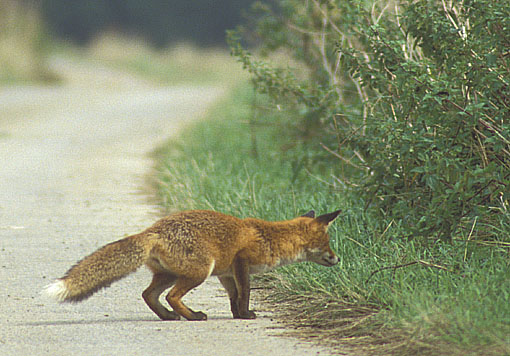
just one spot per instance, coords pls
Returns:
(441, 298)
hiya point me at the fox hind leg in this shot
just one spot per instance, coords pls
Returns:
(160, 282)
(182, 286)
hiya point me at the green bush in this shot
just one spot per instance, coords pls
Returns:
(411, 101)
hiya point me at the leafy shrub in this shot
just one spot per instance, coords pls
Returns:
(411, 98)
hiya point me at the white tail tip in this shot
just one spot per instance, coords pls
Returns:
(57, 290)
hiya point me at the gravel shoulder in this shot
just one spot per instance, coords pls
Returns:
(74, 165)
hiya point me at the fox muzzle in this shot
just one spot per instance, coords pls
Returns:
(329, 260)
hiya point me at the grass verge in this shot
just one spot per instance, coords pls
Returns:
(386, 295)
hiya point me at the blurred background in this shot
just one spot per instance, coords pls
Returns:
(160, 22)
(31, 30)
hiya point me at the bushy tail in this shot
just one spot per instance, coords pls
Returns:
(100, 269)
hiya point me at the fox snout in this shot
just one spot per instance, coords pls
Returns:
(328, 260)
(324, 258)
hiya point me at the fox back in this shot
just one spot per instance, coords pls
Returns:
(184, 249)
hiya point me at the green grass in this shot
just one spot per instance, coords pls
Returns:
(437, 298)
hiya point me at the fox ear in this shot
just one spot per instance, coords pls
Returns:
(327, 219)
(310, 214)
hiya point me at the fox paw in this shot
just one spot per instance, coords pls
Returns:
(170, 315)
(198, 316)
(246, 315)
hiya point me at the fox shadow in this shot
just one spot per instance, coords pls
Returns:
(108, 320)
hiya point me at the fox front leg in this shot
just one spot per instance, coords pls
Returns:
(242, 282)
(229, 284)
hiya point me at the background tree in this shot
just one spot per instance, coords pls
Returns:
(160, 21)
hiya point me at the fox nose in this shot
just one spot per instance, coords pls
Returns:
(331, 260)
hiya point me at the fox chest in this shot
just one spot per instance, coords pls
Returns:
(256, 268)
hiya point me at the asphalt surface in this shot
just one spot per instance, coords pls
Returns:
(74, 162)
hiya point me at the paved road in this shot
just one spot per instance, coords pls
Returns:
(73, 168)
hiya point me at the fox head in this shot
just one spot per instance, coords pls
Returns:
(317, 248)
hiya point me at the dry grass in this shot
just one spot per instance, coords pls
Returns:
(350, 329)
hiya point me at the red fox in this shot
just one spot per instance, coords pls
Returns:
(182, 250)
